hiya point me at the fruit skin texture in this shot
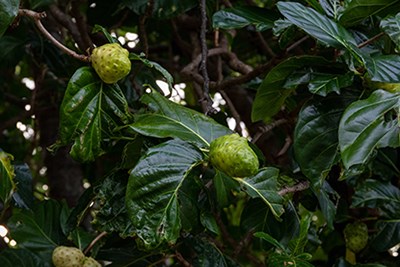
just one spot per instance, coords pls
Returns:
(90, 262)
(356, 236)
(67, 257)
(111, 62)
(233, 155)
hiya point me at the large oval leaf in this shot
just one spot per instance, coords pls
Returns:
(8, 11)
(152, 196)
(384, 68)
(274, 89)
(173, 120)
(11, 257)
(264, 185)
(367, 125)
(90, 112)
(316, 136)
(239, 17)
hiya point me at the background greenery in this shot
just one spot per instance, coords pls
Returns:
(121, 171)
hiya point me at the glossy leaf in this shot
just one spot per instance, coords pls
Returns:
(22, 258)
(152, 197)
(356, 11)
(316, 136)
(276, 259)
(317, 25)
(298, 244)
(207, 254)
(90, 112)
(387, 235)
(39, 229)
(367, 125)
(23, 197)
(224, 185)
(7, 184)
(173, 120)
(264, 185)
(270, 240)
(391, 26)
(384, 68)
(274, 89)
(323, 84)
(377, 194)
(331, 7)
(324, 194)
(242, 16)
(8, 11)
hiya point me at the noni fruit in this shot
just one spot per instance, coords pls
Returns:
(233, 155)
(67, 257)
(356, 236)
(111, 62)
(90, 262)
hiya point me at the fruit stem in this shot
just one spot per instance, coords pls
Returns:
(94, 241)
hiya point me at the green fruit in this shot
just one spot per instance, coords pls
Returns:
(233, 155)
(90, 262)
(111, 62)
(67, 257)
(356, 236)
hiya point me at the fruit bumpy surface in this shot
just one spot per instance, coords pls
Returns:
(233, 155)
(356, 236)
(67, 257)
(111, 62)
(90, 262)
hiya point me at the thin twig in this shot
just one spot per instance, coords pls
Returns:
(234, 112)
(142, 27)
(94, 241)
(37, 17)
(182, 260)
(297, 43)
(373, 39)
(303, 185)
(267, 128)
(204, 54)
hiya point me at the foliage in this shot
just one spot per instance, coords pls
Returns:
(122, 170)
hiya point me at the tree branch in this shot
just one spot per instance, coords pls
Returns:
(37, 17)
(203, 63)
(303, 185)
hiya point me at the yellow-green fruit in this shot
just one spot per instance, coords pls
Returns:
(90, 262)
(233, 155)
(67, 257)
(111, 62)
(356, 236)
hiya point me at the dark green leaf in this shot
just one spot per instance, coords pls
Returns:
(391, 26)
(367, 125)
(274, 90)
(384, 68)
(39, 229)
(8, 11)
(377, 194)
(356, 11)
(328, 208)
(270, 240)
(323, 84)
(23, 197)
(112, 214)
(317, 25)
(110, 39)
(241, 16)
(387, 236)
(11, 50)
(316, 136)
(207, 254)
(152, 197)
(331, 7)
(7, 184)
(21, 258)
(264, 185)
(90, 112)
(40, 3)
(224, 185)
(258, 217)
(161, 9)
(151, 64)
(173, 120)
(298, 244)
